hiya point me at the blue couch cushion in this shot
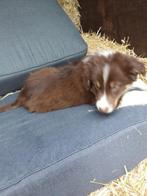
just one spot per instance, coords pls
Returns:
(34, 34)
(60, 152)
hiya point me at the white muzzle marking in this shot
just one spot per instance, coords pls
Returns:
(103, 105)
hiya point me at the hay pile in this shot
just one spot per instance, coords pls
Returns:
(96, 41)
(71, 8)
(134, 183)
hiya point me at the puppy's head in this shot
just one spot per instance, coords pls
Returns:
(109, 76)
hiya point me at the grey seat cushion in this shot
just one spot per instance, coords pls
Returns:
(34, 34)
(60, 152)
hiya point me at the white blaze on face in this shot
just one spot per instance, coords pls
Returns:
(103, 104)
(106, 71)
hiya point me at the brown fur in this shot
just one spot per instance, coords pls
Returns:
(56, 88)
(53, 88)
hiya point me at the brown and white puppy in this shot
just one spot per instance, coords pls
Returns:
(99, 79)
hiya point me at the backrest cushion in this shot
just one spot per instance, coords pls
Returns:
(34, 34)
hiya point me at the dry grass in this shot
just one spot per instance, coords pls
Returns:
(71, 8)
(97, 42)
(134, 183)
(94, 40)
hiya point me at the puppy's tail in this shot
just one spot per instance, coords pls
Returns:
(10, 106)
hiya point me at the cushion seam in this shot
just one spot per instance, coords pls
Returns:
(76, 152)
(46, 64)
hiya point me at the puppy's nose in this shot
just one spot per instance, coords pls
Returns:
(104, 110)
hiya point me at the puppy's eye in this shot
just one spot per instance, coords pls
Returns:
(97, 85)
(115, 86)
(115, 89)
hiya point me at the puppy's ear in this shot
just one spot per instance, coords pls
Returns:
(131, 65)
(135, 68)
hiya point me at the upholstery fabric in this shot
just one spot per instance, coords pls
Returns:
(34, 34)
(60, 152)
